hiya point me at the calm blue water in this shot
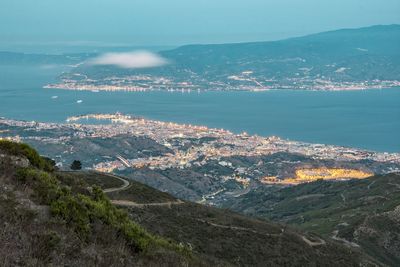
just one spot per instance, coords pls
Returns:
(365, 119)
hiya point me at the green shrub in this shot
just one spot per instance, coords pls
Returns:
(100, 208)
(17, 149)
(81, 211)
(74, 212)
(45, 186)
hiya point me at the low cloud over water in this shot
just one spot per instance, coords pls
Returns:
(130, 60)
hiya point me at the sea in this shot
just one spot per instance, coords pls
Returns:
(368, 119)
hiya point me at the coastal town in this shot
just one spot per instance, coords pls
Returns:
(244, 81)
(192, 147)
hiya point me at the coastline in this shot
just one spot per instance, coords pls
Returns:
(196, 131)
(105, 88)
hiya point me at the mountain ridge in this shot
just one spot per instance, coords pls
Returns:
(351, 59)
(317, 34)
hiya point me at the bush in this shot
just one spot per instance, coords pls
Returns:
(76, 165)
(74, 212)
(45, 186)
(24, 150)
(81, 212)
(100, 208)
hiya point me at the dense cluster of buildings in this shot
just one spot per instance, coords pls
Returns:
(191, 145)
(244, 81)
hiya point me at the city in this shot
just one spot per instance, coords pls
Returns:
(234, 163)
(245, 81)
(199, 133)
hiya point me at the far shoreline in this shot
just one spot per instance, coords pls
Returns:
(99, 89)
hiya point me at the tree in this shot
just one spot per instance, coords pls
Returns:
(51, 164)
(76, 165)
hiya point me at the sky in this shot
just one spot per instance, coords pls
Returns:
(177, 22)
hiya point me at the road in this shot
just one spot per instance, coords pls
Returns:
(124, 186)
(168, 204)
(128, 203)
(237, 228)
(319, 242)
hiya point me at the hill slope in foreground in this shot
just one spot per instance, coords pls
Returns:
(58, 218)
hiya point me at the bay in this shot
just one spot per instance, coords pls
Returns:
(367, 119)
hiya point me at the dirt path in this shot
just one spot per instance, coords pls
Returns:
(369, 186)
(204, 197)
(114, 189)
(320, 242)
(346, 242)
(237, 228)
(396, 185)
(343, 198)
(128, 203)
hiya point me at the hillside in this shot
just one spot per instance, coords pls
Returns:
(336, 60)
(281, 59)
(359, 213)
(63, 218)
(221, 234)
(51, 219)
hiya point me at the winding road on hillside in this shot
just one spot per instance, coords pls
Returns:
(128, 203)
(168, 204)
(124, 186)
(318, 242)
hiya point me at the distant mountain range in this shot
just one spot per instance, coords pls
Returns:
(360, 51)
(14, 58)
(336, 60)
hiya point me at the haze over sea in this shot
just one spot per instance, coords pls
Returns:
(367, 119)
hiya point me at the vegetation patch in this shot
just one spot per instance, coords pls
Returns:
(24, 150)
(81, 211)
